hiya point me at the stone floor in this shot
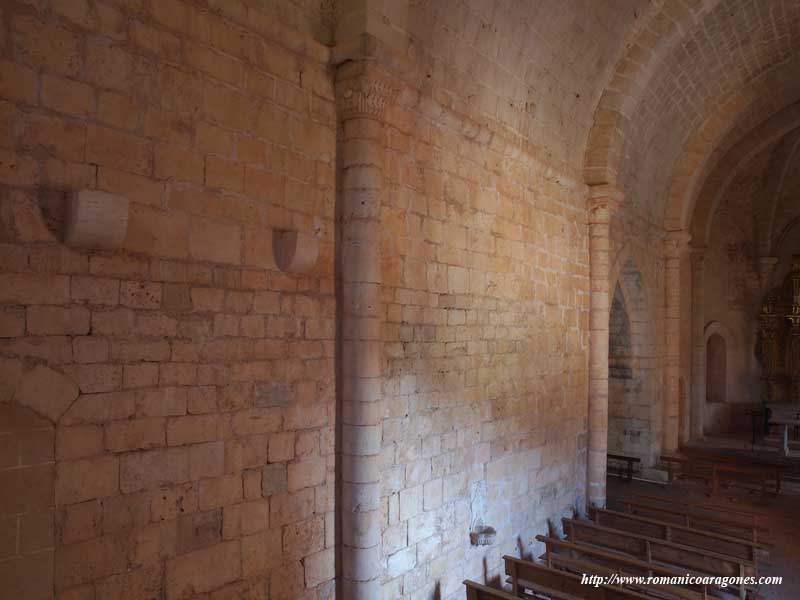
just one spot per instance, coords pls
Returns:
(782, 519)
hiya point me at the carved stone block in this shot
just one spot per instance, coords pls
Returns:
(295, 252)
(95, 219)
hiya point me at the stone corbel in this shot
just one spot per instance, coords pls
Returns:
(95, 219)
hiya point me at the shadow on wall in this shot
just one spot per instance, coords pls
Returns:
(491, 580)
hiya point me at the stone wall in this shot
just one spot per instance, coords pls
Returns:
(637, 412)
(188, 384)
(27, 478)
(628, 420)
(195, 394)
(485, 287)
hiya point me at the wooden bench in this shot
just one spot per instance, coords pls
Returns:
(525, 575)
(713, 471)
(477, 591)
(680, 466)
(746, 516)
(725, 472)
(655, 551)
(629, 460)
(680, 534)
(596, 560)
(701, 517)
(577, 567)
(770, 471)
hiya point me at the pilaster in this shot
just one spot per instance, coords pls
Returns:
(698, 395)
(676, 250)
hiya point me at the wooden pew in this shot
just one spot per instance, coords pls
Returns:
(600, 561)
(706, 540)
(747, 473)
(693, 518)
(713, 468)
(526, 575)
(747, 516)
(576, 567)
(776, 469)
(653, 550)
(477, 591)
(685, 468)
(630, 460)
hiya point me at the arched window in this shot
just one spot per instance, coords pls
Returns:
(716, 369)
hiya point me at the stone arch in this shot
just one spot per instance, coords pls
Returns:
(32, 400)
(780, 241)
(780, 163)
(636, 289)
(720, 329)
(662, 27)
(691, 208)
(702, 152)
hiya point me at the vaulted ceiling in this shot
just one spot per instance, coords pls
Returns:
(701, 72)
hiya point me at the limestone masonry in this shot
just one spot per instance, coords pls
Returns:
(361, 275)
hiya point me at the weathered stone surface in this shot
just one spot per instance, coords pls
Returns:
(445, 356)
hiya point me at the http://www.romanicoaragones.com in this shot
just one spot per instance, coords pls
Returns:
(688, 579)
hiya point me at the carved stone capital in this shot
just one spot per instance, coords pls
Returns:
(604, 201)
(362, 91)
(676, 244)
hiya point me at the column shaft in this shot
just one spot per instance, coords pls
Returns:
(602, 204)
(362, 96)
